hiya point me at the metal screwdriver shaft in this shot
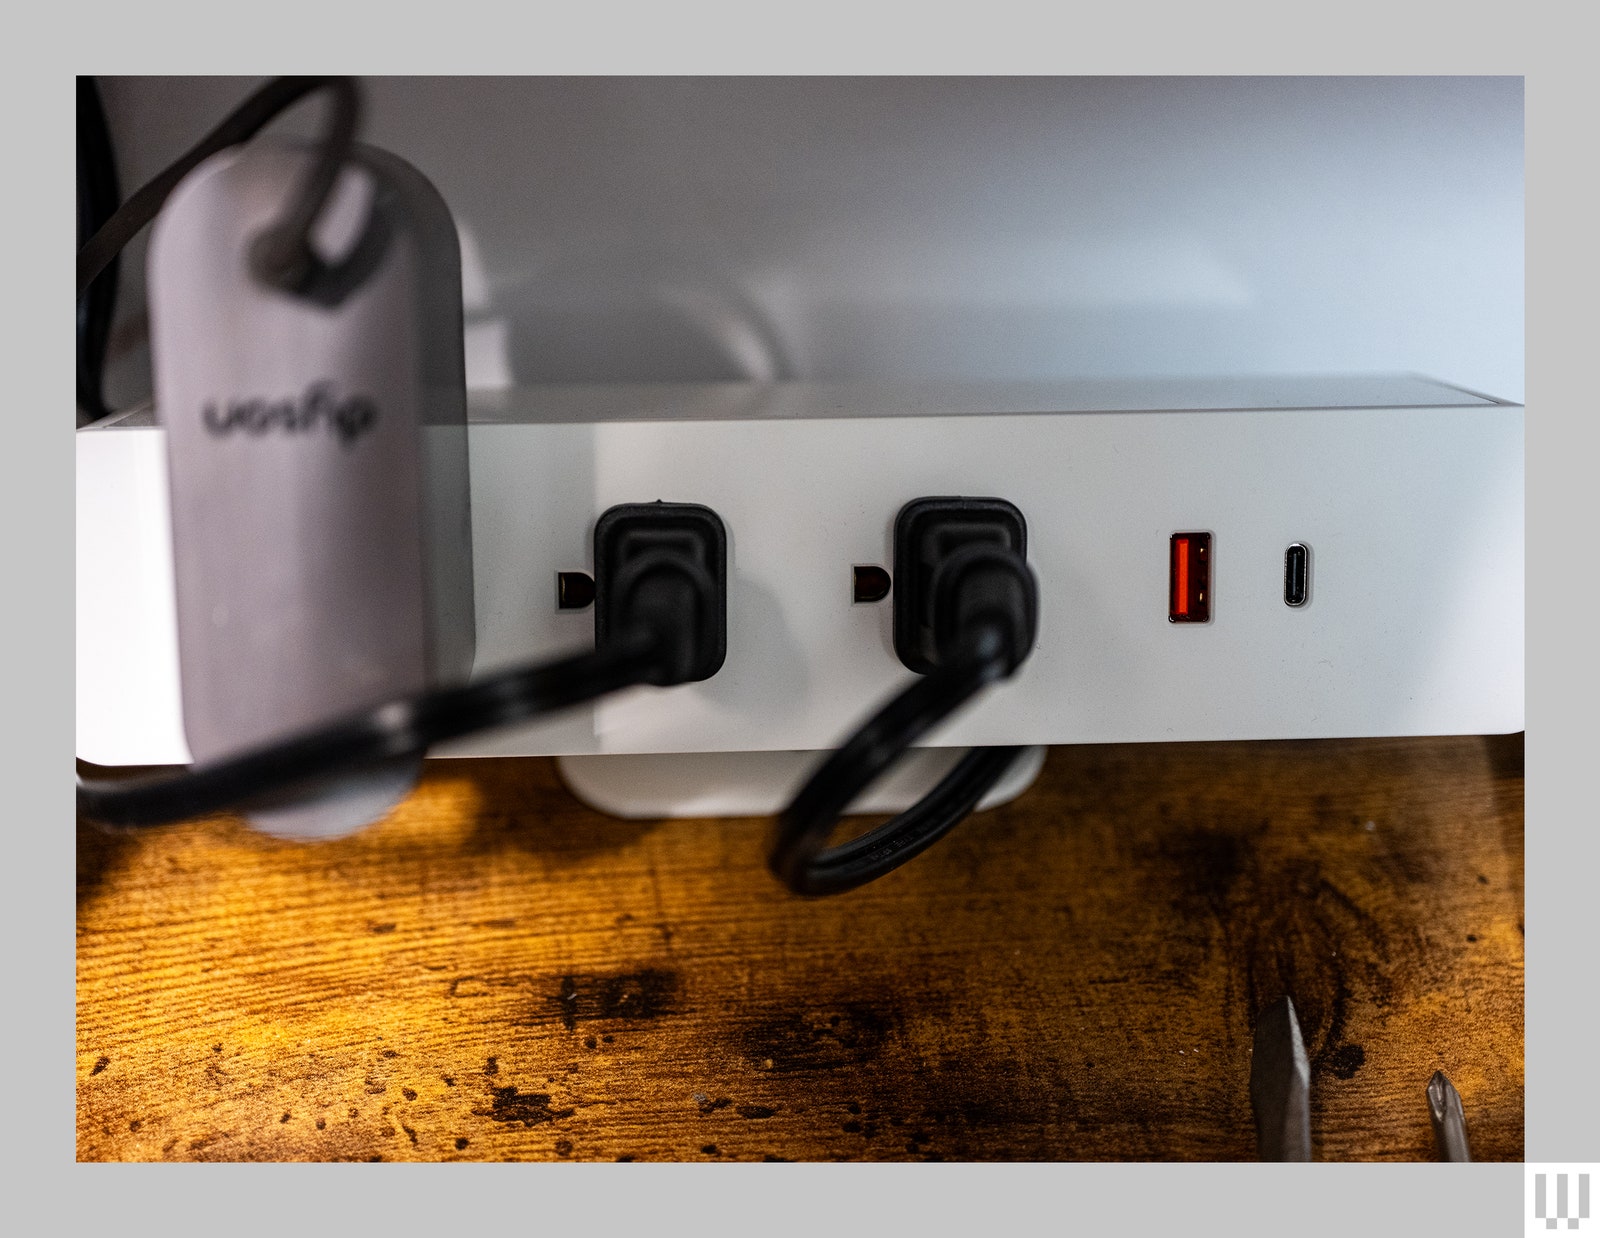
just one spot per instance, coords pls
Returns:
(1280, 1086)
(1449, 1122)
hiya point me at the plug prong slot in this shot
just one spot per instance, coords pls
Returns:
(868, 583)
(574, 590)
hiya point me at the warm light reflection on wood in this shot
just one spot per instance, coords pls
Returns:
(496, 972)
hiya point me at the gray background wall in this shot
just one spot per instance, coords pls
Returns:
(684, 228)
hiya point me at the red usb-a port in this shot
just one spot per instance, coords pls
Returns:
(1189, 579)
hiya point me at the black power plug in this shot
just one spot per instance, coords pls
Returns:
(960, 567)
(965, 611)
(663, 567)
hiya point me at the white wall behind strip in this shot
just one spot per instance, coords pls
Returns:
(990, 228)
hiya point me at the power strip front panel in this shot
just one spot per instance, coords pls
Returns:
(1359, 544)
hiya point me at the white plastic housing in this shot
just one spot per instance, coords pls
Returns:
(1408, 492)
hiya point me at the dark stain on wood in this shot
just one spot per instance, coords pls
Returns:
(1344, 1061)
(524, 1108)
(819, 1038)
(754, 1111)
(635, 997)
(100, 1064)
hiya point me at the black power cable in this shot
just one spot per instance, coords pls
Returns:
(282, 254)
(984, 600)
(661, 604)
(406, 727)
(656, 634)
(98, 198)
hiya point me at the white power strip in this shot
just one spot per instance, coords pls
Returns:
(1408, 494)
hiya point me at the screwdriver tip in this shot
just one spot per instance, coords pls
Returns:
(1440, 1090)
(1280, 1085)
(1449, 1120)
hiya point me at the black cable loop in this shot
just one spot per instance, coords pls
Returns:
(408, 726)
(283, 254)
(800, 857)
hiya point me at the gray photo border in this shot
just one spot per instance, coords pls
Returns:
(1562, 846)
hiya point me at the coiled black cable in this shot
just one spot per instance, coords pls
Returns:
(800, 857)
(991, 595)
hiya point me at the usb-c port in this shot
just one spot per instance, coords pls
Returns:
(1296, 575)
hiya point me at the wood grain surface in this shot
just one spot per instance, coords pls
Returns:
(497, 973)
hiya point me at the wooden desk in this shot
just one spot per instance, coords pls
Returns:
(496, 972)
